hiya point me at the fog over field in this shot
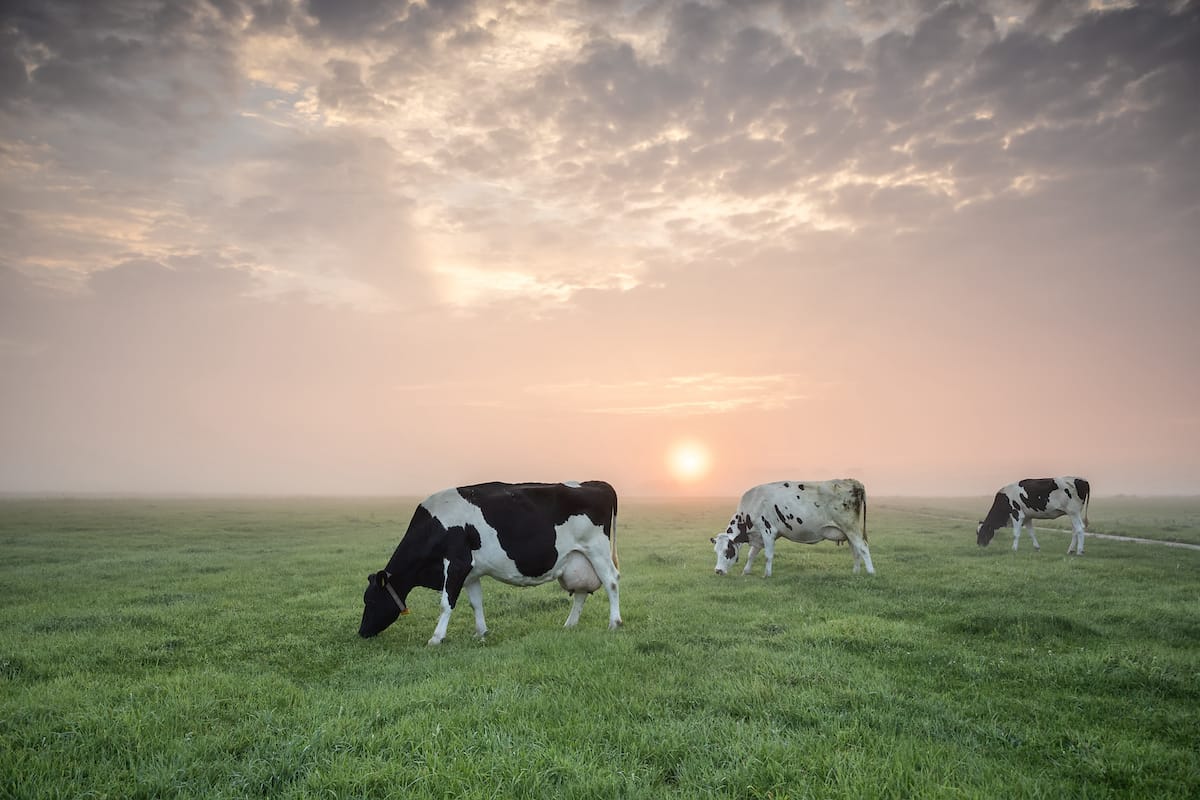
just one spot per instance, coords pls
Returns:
(301, 246)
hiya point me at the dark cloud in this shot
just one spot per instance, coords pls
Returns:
(357, 18)
(611, 96)
(410, 26)
(135, 64)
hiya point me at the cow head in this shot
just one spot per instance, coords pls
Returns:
(726, 548)
(728, 544)
(382, 605)
(984, 534)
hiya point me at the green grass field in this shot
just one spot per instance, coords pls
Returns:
(208, 648)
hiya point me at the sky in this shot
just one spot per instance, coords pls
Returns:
(365, 247)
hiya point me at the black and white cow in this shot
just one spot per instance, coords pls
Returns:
(1022, 502)
(805, 512)
(522, 534)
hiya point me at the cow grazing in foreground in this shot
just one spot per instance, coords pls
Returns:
(805, 512)
(1022, 502)
(522, 534)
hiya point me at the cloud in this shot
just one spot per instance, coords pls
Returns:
(466, 287)
(681, 395)
(667, 129)
(670, 397)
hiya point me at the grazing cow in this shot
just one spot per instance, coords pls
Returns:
(1022, 502)
(521, 534)
(802, 512)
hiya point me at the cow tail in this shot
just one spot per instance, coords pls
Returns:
(865, 518)
(1087, 499)
(613, 541)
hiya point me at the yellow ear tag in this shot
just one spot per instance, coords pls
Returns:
(405, 611)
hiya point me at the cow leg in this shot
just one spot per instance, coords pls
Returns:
(455, 576)
(768, 548)
(750, 554)
(577, 599)
(1077, 527)
(860, 551)
(475, 595)
(439, 632)
(1017, 524)
(1029, 525)
(606, 571)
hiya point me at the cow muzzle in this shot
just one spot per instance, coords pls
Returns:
(719, 571)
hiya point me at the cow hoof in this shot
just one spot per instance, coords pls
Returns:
(434, 642)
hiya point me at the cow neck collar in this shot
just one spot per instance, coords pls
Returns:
(395, 596)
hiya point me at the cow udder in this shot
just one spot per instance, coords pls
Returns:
(578, 575)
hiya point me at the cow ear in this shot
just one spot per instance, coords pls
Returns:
(381, 577)
(712, 539)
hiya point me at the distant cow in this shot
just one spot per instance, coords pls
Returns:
(1022, 502)
(806, 512)
(521, 534)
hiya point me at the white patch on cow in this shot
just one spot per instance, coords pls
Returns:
(800, 511)
(572, 484)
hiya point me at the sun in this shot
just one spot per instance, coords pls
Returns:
(688, 461)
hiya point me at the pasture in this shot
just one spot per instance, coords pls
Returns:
(207, 648)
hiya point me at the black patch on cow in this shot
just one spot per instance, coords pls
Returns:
(801, 487)
(461, 540)
(1035, 492)
(417, 560)
(743, 533)
(1083, 488)
(524, 516)
(858, 498)
(471, 537)
(786, 485)
(730, 551)
(782, 518)
(766, 524)
(997, 517)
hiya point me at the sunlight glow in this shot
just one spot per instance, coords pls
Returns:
(688, 461)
